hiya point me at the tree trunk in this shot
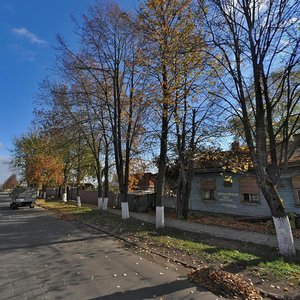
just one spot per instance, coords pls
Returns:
(64, 196)
(100, 203)
(160, 217)
(281, 222)
(187, 193)
(124, 203)
(99, 182)
(106, 174)
(163, 147)
(160, 182)
(284, 236)
(179, 208)
(78, 201)
(100, 200)
(59, 192)
(78, 171)
(183, 193)
(78, 196)
(125, 210)
(160, 188)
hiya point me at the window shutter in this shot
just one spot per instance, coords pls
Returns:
(296, 187)
(208, 184)
(296, 182)
(248, 185)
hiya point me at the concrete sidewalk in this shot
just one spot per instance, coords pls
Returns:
(217, 231)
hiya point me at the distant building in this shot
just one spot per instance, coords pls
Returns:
(144, 182)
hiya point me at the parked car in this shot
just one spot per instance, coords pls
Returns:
(22, 196)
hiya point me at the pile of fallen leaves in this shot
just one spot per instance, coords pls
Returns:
(224, 284)
(235, 223)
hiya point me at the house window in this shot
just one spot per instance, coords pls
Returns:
(251, 198)
(208, 187)
(296, 187)
(298, 194)
(249, 190)
(208, 194)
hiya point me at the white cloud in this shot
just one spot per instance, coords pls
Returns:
(33, 38)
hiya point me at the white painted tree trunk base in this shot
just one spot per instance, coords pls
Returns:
(44, 195)
(78, 201)
(105, 203)
(160, 217)
(64, 198)
(100, 203)
(125, 210)
(284, 236)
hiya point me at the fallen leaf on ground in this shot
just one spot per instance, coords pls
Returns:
(224, 283)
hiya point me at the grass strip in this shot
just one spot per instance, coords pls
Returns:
(259, 261)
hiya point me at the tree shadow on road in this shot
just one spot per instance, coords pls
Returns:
(179, 289)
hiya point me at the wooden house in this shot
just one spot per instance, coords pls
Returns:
(212, 192)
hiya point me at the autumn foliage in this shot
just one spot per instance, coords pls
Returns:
(39, 162)
(10, 182)
(45, 170)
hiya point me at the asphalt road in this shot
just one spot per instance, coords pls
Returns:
(44, 257)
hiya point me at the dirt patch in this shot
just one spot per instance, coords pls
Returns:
(265, 225)
(262, 226)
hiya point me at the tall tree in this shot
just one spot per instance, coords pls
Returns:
(67, 139)
(257, 43)
(169, 37)
(75, 102)
(35, 161)
(109, 58)
(195, 115)
(10, 183)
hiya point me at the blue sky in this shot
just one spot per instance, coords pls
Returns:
(27, 37)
